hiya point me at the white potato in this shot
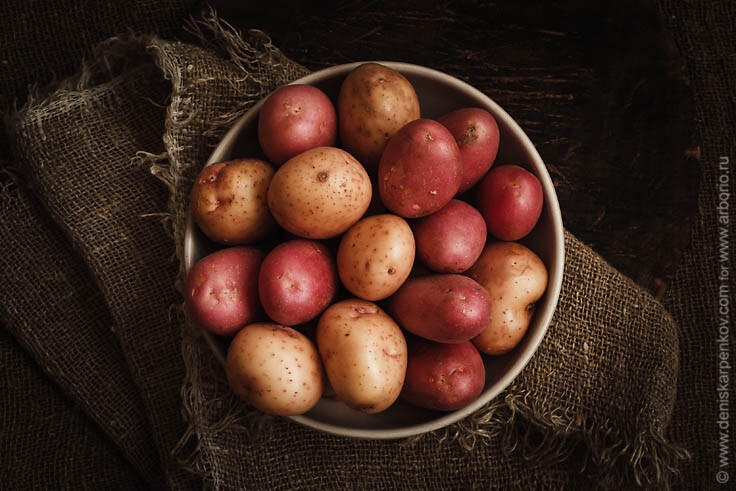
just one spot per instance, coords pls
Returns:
(376, 256)
(364, 354)
(275, 368)
(228, 201)
(319, 193)
(516, 279)
(375, 101)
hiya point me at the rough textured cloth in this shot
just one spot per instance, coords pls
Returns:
(79, 454)
(90, 366)
(85, 135)
(593, 407)
(707, 37)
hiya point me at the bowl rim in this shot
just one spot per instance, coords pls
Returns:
(555, 274)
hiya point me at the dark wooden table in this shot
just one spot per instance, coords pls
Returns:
(600, 89)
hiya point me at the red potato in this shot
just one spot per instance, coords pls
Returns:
(476, 133)
(447, 308)
(228, 201)
(510, 199)
(420, 170)
(443, 377)
(451, 239)
(221, 292)
(294, 119)
(515, 279)
(297, 281)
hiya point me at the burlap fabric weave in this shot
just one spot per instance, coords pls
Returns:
(109, 155)
(707, 36)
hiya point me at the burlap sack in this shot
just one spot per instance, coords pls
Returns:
(706, 33)
(591, 408)
(79, 160)
(69, 446)
(69, 337)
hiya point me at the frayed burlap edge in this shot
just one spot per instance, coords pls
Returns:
(612, 457)
(248, 53)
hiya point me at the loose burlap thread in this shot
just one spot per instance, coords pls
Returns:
(592, 406)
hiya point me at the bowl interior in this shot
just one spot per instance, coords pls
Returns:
(438, 93)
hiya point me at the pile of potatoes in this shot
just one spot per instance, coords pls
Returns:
(368, 254)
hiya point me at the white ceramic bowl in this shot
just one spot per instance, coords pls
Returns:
(438, 94)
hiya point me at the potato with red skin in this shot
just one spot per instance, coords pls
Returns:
(450, 239)
(364, 354)
(446, 308)
(476, 133)
(510, 199)
(228, 201)
(275, 368)
(374, 102)
(515, 278)
(420, 170)
(293, 119)
(319, 193)
(221, 292)
(443, 377)
(297, 281)
(376, 256)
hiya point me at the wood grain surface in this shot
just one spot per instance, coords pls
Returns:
(600, 90)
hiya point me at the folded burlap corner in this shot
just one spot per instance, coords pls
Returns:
(591, 407)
